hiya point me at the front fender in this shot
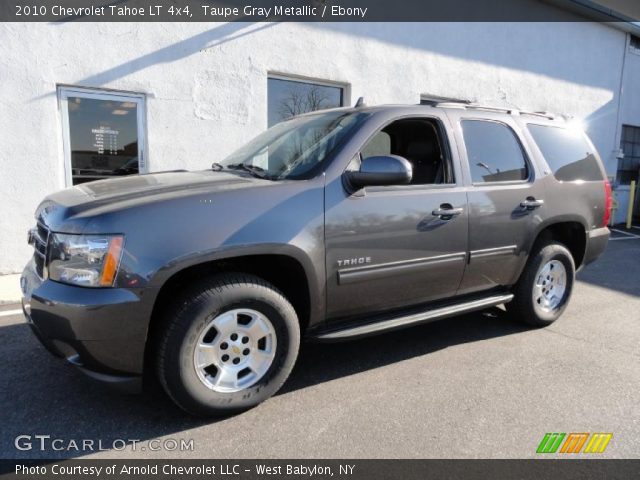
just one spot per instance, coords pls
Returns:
(311, 262)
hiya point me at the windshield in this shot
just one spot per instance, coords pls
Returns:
(296, 148)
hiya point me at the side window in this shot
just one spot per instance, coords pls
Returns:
(567, 152)
(494, 152)
(380, 144)
(418, 140)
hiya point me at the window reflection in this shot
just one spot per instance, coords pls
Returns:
(288, 98)
(103, 136)
(567, 152)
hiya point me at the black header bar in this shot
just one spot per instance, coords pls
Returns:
(319, 469)
(319, 10)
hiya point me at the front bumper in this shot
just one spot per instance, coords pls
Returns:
(102, 331)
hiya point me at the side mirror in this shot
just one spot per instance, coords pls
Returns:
(381, 170)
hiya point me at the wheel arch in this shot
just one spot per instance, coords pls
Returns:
(572, 234)
(571, 231)
(286, 267)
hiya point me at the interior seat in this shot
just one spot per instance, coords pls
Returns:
(424, 155)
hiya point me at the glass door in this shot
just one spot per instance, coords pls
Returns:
(103, 134)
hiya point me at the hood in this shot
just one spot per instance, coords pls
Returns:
(141, 186)
(127, 192)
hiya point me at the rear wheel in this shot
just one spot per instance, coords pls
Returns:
(545, 286)
(228, 345)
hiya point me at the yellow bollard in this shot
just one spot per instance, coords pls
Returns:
(632, 195)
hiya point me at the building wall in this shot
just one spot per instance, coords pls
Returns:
(630, 104)
(628, 115)
(206, 84)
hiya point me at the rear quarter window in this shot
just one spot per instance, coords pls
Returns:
(567, 152)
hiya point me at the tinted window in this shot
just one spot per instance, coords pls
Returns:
(567, 153)
(494, 152)
(288, 98)
(103, 136)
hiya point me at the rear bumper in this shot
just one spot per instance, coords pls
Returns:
(102, 331)
(597, 240)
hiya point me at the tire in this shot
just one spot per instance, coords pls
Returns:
(537, 300)
(227, 345)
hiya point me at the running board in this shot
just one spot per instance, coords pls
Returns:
(413, 319)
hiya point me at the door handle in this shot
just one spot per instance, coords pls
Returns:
(446, 211)
(531, 203)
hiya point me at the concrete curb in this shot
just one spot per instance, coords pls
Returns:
(10, 288)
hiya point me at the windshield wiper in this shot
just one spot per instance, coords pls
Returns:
(216, 167)
(252, 169)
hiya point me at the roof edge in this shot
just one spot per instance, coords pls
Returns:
(599, 13)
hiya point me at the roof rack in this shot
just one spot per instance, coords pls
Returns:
(549, 115)
(490, 108)
(437, 101)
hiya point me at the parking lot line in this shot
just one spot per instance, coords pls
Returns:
(8, 313)
(631, 235)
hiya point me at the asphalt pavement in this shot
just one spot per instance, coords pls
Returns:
(475, 386)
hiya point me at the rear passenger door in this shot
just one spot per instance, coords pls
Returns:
(505, 197)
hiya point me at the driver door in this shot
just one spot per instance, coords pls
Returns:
(391, 247)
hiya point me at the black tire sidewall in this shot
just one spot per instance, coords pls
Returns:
(547, 253)
(180, 376)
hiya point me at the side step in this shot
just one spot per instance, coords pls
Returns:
(413, 319)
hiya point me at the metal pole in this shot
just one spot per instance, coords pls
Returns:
(632, 195)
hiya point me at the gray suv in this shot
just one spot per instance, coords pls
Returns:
(330, 226)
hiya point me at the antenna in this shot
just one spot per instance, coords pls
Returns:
(360, 102)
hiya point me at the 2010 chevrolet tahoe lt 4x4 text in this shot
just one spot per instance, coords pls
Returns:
(329, 226)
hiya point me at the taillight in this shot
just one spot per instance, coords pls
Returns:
(608, 202)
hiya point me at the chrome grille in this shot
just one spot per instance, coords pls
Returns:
(39, 238)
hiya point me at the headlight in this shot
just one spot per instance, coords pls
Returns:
(86, 260)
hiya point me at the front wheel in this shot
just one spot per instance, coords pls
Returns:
(545, 286)
(228, 345)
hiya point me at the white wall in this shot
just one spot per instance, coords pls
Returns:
(206, 84)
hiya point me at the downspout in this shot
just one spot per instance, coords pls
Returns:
(616, 140)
